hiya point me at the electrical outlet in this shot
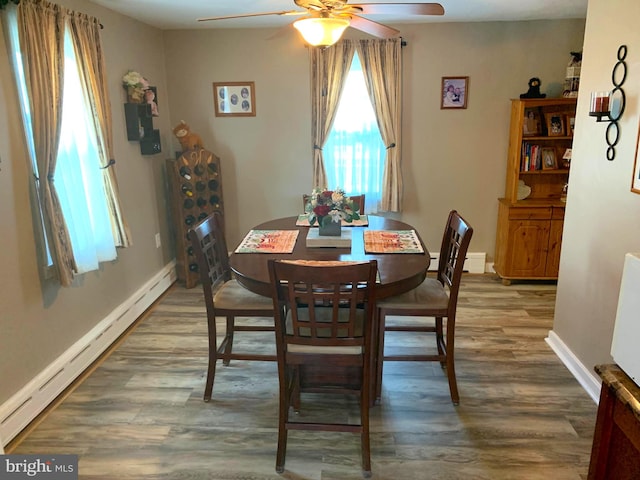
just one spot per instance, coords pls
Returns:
(158, 241)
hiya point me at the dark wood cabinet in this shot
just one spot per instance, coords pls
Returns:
(615, 454)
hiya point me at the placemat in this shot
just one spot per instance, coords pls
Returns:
(392, 241)
(268, 241)
(303, 221)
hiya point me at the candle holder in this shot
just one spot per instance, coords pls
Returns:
(602, 103)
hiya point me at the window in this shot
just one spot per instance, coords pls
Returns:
(78, 179)
(354, 152)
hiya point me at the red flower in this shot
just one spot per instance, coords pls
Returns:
(322, 210)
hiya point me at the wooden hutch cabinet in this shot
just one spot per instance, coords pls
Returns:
(531, 214)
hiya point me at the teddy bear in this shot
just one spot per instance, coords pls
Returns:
(534, 89)
(188, 140)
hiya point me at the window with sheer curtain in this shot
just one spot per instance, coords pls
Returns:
(354, 152)
(82, 191)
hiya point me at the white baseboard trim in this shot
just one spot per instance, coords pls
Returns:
(24, 406)
(474, 263)
(585, 377)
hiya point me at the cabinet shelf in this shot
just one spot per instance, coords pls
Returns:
(557, 171)
(545, 138)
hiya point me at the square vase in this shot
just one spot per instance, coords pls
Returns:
(329, 229)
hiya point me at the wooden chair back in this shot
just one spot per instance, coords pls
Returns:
(453, 252)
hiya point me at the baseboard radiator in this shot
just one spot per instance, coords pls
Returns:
(474, 263)
(23, 407)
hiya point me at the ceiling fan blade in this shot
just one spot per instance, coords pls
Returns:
(372, 28)
(396, 8)
(245, 15)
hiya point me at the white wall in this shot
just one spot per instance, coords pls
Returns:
(602, 219)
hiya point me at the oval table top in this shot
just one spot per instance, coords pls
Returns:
(399, 272)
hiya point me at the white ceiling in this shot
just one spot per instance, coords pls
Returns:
(182, 14)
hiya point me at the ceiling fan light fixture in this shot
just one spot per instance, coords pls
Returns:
(321, 31)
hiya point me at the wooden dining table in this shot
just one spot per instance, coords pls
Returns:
(398, 273)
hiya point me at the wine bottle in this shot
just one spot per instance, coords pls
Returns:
(190, 220)
(187, 189)
(201, 202)
(202, 216)
(198, 169)
(193, 267)
(188, 203)
(190, 251)
(213, 168)
(185, 172)
(213, 185)
(214, 200)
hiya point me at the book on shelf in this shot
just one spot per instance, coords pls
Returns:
(530, 160)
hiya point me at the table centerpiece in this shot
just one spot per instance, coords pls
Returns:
(328, 208)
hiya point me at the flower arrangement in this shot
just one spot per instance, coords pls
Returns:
(135, 84)
(330, 206)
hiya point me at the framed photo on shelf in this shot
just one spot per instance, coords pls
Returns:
(531, 125)
(234, 99)
(549, 159)
(455, 92)
(555, 124)
(570, 122)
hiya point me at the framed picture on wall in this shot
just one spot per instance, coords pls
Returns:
(455, 92)
(531, 125)
(234, 99)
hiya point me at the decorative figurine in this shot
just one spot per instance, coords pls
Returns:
(534, 89)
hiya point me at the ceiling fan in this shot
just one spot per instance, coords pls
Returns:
(326, 20)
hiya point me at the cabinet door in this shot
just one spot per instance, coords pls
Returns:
(529, 240)
(555, 242)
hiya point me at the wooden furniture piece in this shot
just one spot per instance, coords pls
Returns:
(356, 199)
(195, 191)
(615, 454)
(324, 315)
(139, 122)
(435, 297)
(224, 297)
(398, 272)
(529, 232)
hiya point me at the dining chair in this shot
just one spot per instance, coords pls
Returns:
(324, 314)
(358, 201)
(225, 297)
(434, 297)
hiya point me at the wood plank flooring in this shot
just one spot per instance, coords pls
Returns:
(140, 413)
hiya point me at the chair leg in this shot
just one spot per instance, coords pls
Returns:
(229, 338)
(286, 391)
(380, 362)
(440, 340)
(365, 443)
(213, 358)
(451, 369)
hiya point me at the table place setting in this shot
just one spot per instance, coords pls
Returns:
(268, 241)
(392, 241)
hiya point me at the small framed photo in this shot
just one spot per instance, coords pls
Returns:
(234, 99)
(570, 122)
(549, 159)
(555, 124)
(531, 124)
(455, 92)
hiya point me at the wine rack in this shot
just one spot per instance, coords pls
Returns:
(195, 186)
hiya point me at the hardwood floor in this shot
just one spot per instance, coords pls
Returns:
(140, 413)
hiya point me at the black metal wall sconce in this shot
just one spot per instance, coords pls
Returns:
(609, 106)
